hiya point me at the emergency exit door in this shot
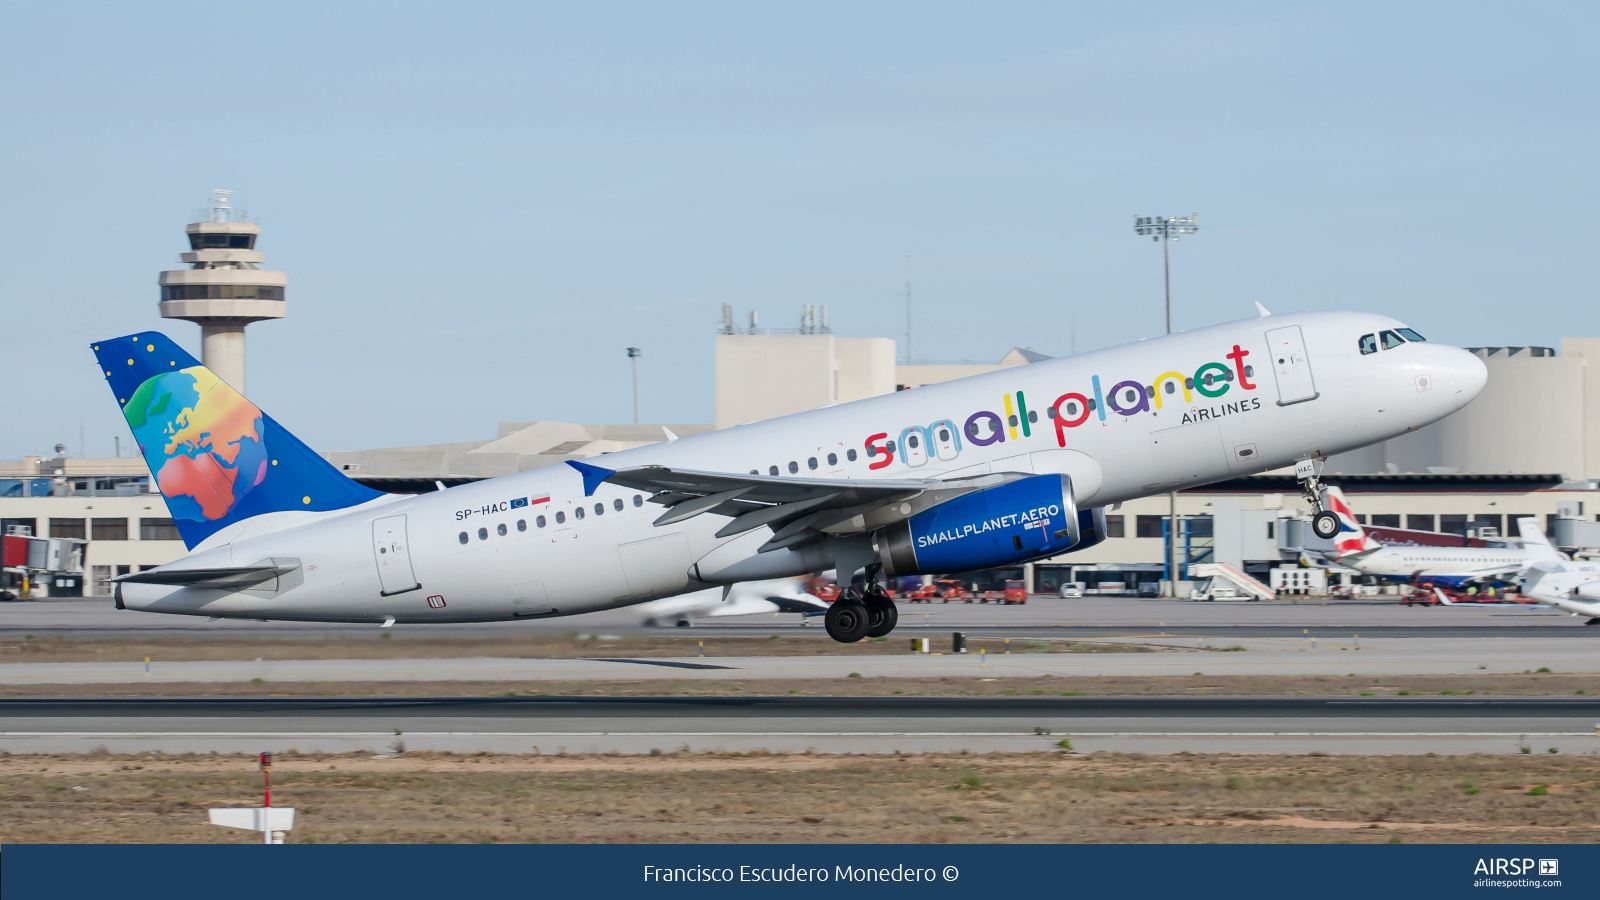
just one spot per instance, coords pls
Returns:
(393, 556)
(1291, 365)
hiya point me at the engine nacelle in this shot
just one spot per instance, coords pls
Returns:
(1024, 520)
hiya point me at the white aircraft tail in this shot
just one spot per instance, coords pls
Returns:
(1534, 542)
(1352, 537)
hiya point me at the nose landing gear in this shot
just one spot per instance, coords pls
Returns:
(1324, 522)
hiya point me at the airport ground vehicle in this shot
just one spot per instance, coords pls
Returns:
(1224, 582)
(1072, 590)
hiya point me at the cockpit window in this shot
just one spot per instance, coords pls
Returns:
(1390, 339)
(1410, 335)
(1369, 344)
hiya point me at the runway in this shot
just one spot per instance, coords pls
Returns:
(1176, 656)
(553, 725)
(1042, 616)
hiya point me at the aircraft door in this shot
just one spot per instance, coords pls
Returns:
(1291, 365)
(945, 438)
(913, 446)
(393, 556)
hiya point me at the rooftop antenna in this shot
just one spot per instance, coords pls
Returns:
(826, 328)
(727, 320)
(753, 321)
(908, 310)
(220, 210)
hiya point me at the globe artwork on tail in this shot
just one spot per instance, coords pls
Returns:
(201, 438)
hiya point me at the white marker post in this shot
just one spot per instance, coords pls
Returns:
(271, 821)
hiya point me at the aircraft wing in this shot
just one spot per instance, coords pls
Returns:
(799, 510)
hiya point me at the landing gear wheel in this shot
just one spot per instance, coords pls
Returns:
(882, 616)
(846, 620)
(1325, 524)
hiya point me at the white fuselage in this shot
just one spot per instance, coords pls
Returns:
(1572, 587)
(1439, 562)
(479, 557)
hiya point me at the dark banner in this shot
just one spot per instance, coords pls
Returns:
(449, 872)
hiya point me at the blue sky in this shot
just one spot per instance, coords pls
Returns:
(480, 206)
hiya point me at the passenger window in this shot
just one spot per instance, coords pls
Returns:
(872, 450)
(599, 509)
(811, 463)
(793, 467)
(502, 529)
(617, 504)
(1369, 344)
(1410, 335)
(833, 459)
(578, 511)
(1390, 339)
(522, 524)
(772, 470)
(1034, 416)
(483, 534)
(944, 434)
(463, 537)
(850, 455)
(911, 441)
(754, 472)
(638, 500)
(560, 517)
(889, 446)
(539, 521)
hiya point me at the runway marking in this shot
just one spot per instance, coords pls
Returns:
(908, 734)
(660, 662)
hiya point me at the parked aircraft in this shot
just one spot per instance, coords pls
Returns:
(987, 471)
(1420, 564)
(1572, 587)
(779, 595)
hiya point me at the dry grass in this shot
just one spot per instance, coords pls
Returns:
(753, 798)
(1532, 685)
(416, 645)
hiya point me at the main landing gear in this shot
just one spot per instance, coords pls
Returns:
(1324, 522)
(856, 615)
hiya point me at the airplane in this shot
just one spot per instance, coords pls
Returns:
(1432, 565)
(991, 470)
(778, 595)
(1572, 587)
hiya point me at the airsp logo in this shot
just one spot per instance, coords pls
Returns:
(1515, 867)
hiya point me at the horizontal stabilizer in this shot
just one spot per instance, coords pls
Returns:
(236, 577)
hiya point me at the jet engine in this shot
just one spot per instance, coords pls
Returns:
(1028, 519)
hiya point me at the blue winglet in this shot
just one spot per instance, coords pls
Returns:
(593, 476)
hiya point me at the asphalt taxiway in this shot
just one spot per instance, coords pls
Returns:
(1043, 616)
(554, 725)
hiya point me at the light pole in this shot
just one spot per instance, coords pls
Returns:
(1166, 229)
(634, 353)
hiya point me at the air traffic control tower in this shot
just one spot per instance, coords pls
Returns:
(224, 289)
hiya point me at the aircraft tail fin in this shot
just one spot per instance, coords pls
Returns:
(1352, 538)
(215, 456)
(1534, 541)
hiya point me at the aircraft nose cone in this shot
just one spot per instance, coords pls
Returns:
(1467, 376)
